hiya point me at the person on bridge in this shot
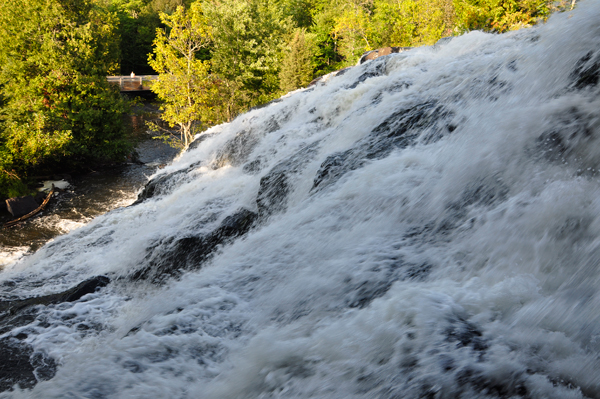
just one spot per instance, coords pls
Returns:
(132, 75)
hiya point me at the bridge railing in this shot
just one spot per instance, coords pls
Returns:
(135, 83)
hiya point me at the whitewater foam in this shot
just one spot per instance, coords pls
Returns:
(423, 226)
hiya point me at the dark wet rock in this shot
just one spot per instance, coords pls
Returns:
(20, 206)
(365, 287)
(44, 366)
(488, 87)
(253, 167)
(460, 354)
(172, 256)
(236, 151)
(15, 367)
(40, 197)
(334, 167)
(371, 70)
(398, 131)
(273, 192)
(485, 192)
(161, 185)
(463, 333)
(495, 88)
(342, 71)
(374, 54)
(274, 186)
(481, 193)
(89, 286)
(398, 86)
(552, 145)
(366, 292)
(133, 367)
(446, 362)
(20, 365)
(473, 380)
(587, 71)
(569, 131)
(151, 188)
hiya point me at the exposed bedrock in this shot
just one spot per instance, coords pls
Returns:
(587, 71)
(172, 256)
(20, 363)
(21, 366)
(18, 312)
(275, 185)
(398, 131)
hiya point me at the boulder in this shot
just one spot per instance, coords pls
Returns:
(40, 197)
(20, 206)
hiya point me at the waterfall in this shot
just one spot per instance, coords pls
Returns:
(424, 225)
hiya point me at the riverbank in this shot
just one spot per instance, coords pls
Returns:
(90, 194)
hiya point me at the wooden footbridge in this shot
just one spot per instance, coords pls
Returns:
(133, 83)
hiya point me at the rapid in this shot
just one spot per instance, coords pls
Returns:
(424, 225)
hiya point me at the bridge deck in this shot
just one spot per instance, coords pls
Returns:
(136, 83)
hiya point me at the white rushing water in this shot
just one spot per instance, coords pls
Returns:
(425, 225)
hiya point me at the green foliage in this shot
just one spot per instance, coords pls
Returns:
(10, 183)
(300, 11)
(183, 83)
(297, 67)
(326, 57)
(248, 39)
(57, 106)
(363, 25)
(499, 15)
(11, 186)
(138, 21)
(259, 48)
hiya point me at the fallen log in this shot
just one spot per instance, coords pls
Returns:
(32, 213)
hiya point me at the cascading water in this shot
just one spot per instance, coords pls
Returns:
(424, 226)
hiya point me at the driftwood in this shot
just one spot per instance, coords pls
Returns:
(32, 213)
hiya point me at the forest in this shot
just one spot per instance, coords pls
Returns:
(215, 59)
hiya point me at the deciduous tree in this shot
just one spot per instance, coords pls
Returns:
(57, 105)
(183, 84)
(500, 15)
(248, 40)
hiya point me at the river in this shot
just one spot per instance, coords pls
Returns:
(89, 195)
